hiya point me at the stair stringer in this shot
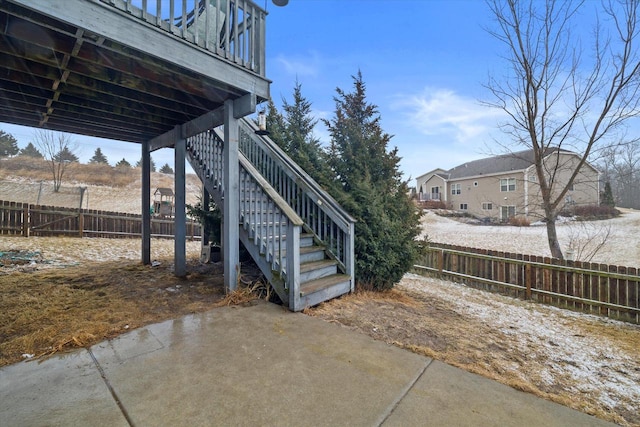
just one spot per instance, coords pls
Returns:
(272, 276)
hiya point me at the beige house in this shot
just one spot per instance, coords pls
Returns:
(505, 186)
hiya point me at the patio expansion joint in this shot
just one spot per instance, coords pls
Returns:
(110, 388)
(391, 408)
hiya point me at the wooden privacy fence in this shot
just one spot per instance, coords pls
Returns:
(32, 220)
(608, 290)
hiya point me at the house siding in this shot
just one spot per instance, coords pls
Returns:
(479, 193)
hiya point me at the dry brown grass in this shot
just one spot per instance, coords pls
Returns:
(54, 310)
(430, 326)
(97, 174)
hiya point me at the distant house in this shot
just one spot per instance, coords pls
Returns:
(505, 186)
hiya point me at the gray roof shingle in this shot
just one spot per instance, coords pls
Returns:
(516, 161)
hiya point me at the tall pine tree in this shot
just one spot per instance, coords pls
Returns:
(293, 132)
(8, 145)
(303, 147)
(31, 151)
(98, 157)
(368, 183)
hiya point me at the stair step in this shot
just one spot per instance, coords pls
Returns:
(311, 253)
(316, 269)
(322, 283)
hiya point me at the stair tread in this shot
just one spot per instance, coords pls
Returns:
(308, 249)
(322, 283)
(314, 265)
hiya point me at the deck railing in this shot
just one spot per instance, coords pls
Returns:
(323, 216)
(231, 29)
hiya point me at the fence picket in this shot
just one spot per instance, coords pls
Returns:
(609, 290)
(24, 219)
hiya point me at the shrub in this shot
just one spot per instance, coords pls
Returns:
(433, 204)
(519, 221)
(594, 212)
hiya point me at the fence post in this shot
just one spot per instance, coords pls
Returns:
(80, 224)
(527, 280)
(25, 220)
(440, 261)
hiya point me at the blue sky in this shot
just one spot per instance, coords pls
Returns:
(424, 63)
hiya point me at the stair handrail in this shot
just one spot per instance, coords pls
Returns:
(288, 211)
(279, 153)
(322, 214)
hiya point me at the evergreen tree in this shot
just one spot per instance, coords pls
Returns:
(369, 185)
(123, 164)
(31, 151)
(8, 145)
(98, 157)
(65, 156)
(607, 196)
(276, 126)
(152, 164)
(166, 169)
(301, 145)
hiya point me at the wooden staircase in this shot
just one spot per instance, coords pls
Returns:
(298, 235)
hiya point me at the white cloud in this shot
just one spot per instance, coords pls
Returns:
(300, 66)
(443, 112)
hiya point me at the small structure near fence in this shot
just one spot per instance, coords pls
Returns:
(607, 290)
(24, 219)
(163, 206)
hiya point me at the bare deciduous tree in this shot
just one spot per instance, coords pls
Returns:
(52, 144)
(560, 95)
(621, 166)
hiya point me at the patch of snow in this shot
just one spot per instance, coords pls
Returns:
(552, 340)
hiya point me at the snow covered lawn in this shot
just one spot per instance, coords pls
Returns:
(622, 247)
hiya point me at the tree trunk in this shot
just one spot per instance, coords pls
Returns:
(552, 236)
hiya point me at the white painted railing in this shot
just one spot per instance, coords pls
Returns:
(231, 29)
(322, 215)
(271, 224)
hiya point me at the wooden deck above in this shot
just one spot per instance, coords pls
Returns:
(114, 69)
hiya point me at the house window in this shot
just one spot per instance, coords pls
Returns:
(507, 212)
(487, 206)
(463, 206)
(571, 187)
(508, 184)
(455, 189)
(533, 178)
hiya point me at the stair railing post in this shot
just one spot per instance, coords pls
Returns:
(231, 186)
(349, 259)
(293, 265)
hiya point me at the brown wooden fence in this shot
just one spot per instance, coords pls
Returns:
(32, 220)
(608, 290)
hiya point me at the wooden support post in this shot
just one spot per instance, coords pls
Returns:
(80, 224)
(180, 216)
(528, 278)
(231, 233)
(146, 213)
(25, 220)
(205, 248)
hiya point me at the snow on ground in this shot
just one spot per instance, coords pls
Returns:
(559, 346)
(622, 246)
(66, 251)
